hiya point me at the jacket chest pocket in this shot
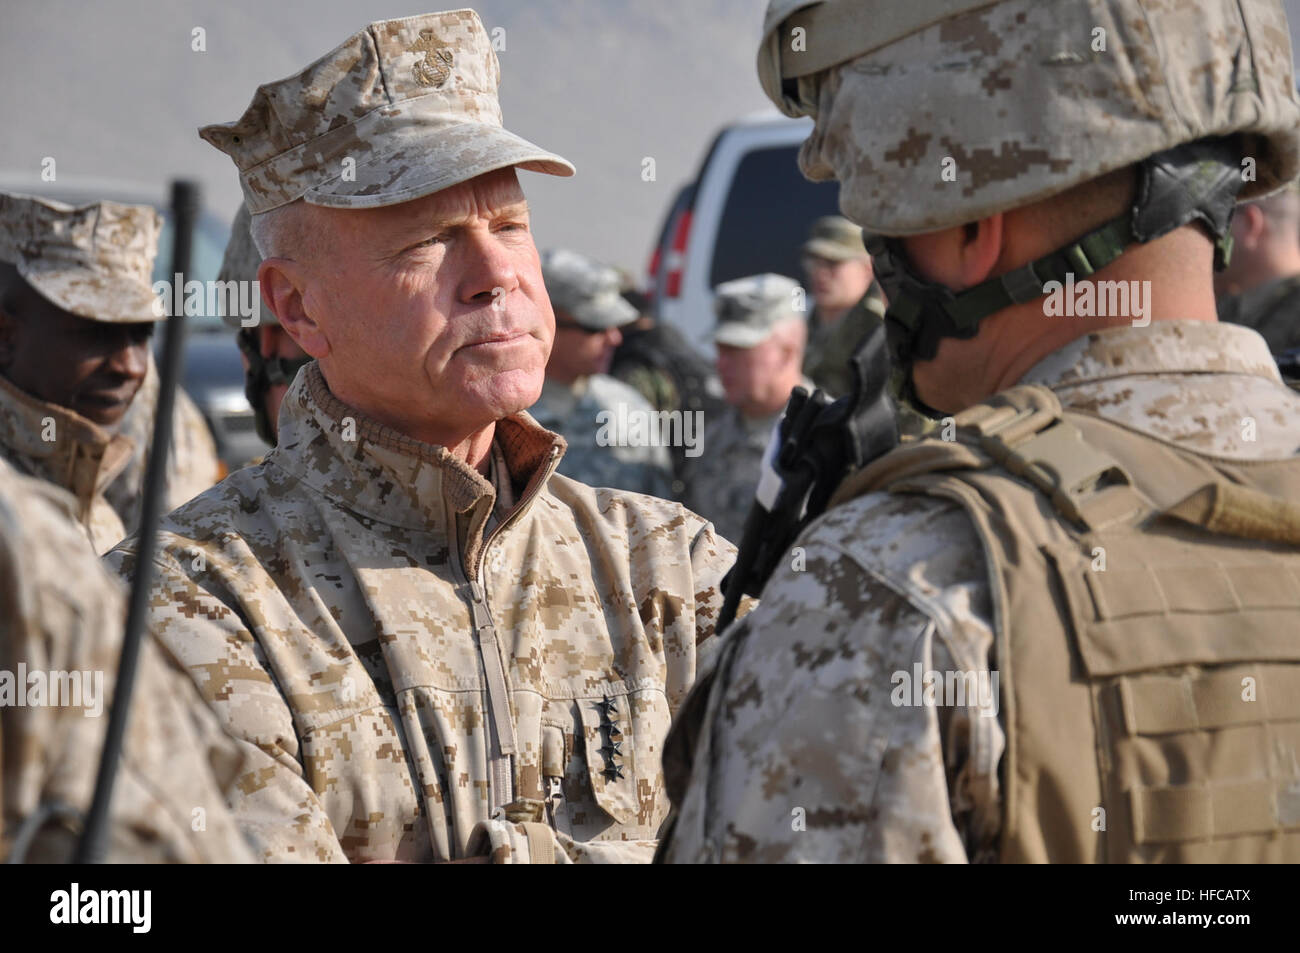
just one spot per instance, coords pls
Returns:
(602, 769)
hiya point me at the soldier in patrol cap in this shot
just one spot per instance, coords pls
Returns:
(759, 335)
(1062, 634)
(847, 301)
(76, 313)
(579, 393)
(431, 646)
(271, 357)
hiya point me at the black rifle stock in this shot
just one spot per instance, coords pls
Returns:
(820, 443)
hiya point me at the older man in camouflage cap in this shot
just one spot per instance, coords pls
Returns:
(580, 401)
(76, 312)
(760, 336)
(847, 301)
(1049, 637)
(60, 640)
(432, 646)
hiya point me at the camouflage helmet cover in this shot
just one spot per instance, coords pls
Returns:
(1021, 99)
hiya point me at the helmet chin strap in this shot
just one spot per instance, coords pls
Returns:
(1194, 182)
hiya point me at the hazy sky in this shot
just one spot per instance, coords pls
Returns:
(112, 88)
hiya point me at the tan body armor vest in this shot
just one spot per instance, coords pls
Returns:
(1147, 617)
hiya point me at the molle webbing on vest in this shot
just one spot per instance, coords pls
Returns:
(1147, 616)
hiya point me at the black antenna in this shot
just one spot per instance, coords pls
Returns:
(94, 841)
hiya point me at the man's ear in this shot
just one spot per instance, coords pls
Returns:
(284, 286)
(981, 248)
(1249, 226)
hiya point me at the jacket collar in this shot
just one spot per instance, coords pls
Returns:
(1162, 347)
(381, 473)
(82, 458)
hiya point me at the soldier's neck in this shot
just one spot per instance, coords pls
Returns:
(1169, 279)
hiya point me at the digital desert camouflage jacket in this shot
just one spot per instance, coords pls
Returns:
(192, 464)
(795, 750)
(60, 446)
(61, 622)
(409, 673)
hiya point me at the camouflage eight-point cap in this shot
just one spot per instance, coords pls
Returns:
(585, 289)
(748, 309)
(397, 111)
(92, 260)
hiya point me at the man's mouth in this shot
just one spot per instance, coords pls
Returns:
(500, 339)
(108, 398)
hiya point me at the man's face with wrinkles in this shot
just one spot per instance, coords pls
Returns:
(434, 311)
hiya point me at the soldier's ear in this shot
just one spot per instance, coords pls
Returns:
(981, 248)
(284, 289)
(1249, 225)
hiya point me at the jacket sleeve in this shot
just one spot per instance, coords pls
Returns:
(276, 808)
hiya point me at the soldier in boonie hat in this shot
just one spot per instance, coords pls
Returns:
(77, 309)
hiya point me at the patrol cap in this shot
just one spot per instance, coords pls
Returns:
(1020, 100)
(586, 289)
(835, 238)
(399, 110)
(95, 261)
(240, 263)
(750, 309)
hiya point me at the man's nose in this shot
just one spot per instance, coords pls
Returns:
(130, 360)
(615, 337)
(489, 269)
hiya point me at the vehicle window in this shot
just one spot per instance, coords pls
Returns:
(767, 215)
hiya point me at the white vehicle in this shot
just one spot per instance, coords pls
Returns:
(747, 212)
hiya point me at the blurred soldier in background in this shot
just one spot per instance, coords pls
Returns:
(1260, 288)
(192, 464)
(60, 641)
(1049, 637)
(77, 310)
(847, 301)
(659, 363)
(579, 394)
(271, 358)
(760, 335)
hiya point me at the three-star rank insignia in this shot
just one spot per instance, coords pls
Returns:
(612, 749)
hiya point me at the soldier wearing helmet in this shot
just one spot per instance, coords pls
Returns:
(271, 358)
(1047, 632)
